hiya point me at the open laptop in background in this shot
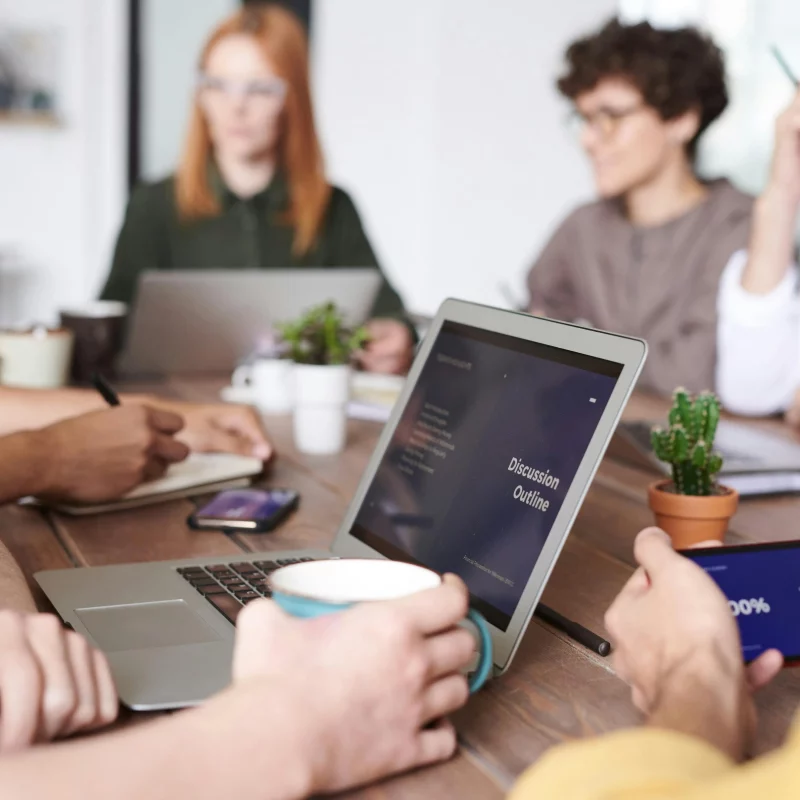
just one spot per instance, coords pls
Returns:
(480, 470)
(186, 321)
(756, 462)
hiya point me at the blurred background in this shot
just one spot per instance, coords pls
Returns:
(439, 116)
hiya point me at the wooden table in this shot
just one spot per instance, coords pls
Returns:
(555, 690)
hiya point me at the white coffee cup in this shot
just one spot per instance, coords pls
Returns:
(316, 588)
(320, 414)
(272, 382)
(38, 358)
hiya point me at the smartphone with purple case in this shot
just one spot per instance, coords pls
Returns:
(246, 510)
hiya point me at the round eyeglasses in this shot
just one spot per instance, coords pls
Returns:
(604, 121)
(269, 91)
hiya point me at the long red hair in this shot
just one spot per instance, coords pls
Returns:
(283, 41)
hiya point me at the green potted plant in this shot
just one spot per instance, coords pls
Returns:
(321, 346)
(692, 507)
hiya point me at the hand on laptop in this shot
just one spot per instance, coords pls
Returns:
(374, 683)
(390, 348)
(52, 683)
(102, 455)
(221, 428)
(676, 643)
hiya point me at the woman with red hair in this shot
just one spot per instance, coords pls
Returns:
(250, 190)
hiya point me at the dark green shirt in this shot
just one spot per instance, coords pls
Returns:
(247, 234)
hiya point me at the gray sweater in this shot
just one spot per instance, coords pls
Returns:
(658, 283)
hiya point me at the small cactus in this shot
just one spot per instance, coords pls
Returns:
(687, 444)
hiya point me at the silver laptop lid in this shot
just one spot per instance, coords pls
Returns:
(207, 320)
(489, 452)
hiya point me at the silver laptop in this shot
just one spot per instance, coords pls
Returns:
(756, 462)
(188, 321)
(480, 471)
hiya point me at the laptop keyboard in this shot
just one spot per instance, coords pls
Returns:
(230, 587)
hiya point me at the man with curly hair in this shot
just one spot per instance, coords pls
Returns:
(646, 258)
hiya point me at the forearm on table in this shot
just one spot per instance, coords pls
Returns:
(30, 409)
(27, 409)
(25, 459)
(14, 593)
(244, 743)
(772, 242)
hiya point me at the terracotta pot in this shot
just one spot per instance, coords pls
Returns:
(689, 519)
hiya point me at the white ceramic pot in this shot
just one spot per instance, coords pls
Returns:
(320, 413)
(272, 383)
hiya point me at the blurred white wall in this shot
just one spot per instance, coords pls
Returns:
(442, 119)
(62, 189)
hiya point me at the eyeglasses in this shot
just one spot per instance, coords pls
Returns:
(267, 92)
(604, 121)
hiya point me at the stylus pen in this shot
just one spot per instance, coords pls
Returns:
(104, 388)
(784, 66)
(575, 631)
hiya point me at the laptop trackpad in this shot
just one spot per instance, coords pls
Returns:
(142, 626)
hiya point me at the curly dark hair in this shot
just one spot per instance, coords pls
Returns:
(675, 70)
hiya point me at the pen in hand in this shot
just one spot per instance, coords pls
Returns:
(784, 66)
(105, 389)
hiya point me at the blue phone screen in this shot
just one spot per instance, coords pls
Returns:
(763, 591)
(247, 504)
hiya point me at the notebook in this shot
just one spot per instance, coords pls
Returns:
(372, 396)
(201, 473)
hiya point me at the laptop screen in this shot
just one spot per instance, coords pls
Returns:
(482, 458)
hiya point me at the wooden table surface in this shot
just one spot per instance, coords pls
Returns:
(555, 690)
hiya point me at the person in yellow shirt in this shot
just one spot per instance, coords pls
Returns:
(677, 645)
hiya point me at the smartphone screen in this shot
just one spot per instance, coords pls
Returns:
(762, 584)
(247, 508)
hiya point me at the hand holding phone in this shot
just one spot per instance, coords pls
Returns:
(762, 584)
(246, 510)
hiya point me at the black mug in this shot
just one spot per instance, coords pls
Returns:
(99, 330)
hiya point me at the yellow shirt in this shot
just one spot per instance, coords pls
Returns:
(648, 763)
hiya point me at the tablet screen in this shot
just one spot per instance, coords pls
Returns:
(761, 583)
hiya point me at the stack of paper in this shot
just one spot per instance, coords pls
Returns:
(372, 396)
